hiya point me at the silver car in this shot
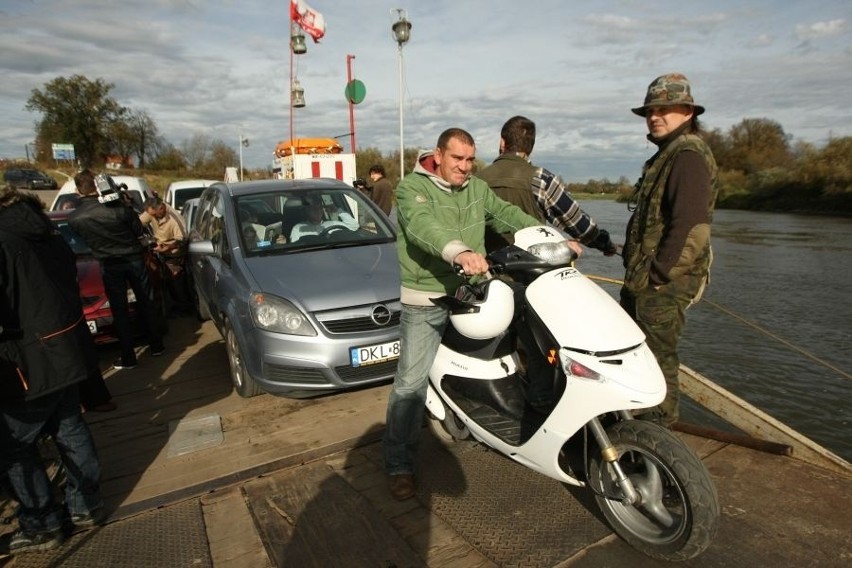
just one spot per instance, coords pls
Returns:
(302, 280)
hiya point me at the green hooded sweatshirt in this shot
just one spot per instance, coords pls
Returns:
(438, 221)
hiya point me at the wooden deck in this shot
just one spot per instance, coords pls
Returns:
(299, 482)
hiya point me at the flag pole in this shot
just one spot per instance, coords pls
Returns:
(290, 93)
(349, 59)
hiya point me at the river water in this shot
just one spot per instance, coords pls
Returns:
(776, 326)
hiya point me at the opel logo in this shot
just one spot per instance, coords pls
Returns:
(381, 315)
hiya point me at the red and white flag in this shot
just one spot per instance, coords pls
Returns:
(308, 19)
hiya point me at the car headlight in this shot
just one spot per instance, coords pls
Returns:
(278, 315)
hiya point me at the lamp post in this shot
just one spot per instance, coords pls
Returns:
(243, 143)
(401, 33)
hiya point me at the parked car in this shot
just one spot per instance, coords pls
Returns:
(179, 192)
(190, 207)
(136, 187)
(27, 178)
(305, 317)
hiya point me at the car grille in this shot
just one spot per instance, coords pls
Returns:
(367, 372)
(302, 375)
(347, 374)
(359, 324)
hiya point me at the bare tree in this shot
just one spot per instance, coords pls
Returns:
(196, 150)
(146, 135)
(221, 156)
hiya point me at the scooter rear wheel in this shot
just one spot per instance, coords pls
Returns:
(678, 512)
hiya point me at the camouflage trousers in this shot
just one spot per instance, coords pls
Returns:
(661, 315)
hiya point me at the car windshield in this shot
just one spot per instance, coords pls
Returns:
(300, 220)
(77, 244)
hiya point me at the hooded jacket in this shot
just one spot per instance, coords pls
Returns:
(438, 221)
(45, 343)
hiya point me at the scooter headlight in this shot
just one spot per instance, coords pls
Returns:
(574, 368)
(558, 253)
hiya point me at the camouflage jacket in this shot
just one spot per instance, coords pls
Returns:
(668, 235)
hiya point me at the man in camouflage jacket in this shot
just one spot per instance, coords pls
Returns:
(667, 251)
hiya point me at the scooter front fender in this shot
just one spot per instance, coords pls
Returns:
(434, 404)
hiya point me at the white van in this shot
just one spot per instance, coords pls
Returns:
(137, 188)
(179, 192)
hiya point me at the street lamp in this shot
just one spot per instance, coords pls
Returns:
(401, 33)
(243, 143)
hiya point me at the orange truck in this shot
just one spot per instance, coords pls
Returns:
(305, 158)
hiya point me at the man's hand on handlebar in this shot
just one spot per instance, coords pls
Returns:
(471, 262)
(614, 251)
(574, 246)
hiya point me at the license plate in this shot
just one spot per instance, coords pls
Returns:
(93, 327)
(372, 354)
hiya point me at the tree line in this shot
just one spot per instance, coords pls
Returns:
(82, 112)
(759, 165)
(761, 169)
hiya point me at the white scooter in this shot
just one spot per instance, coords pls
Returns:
(653, 490)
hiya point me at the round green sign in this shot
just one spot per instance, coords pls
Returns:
(355, 91)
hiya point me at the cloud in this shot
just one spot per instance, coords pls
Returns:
(221, 68)
(821, 29)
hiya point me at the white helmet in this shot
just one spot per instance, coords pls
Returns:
(488, 311)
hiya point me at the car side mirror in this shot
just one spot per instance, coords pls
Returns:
(201, 247)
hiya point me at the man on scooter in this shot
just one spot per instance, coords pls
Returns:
(542, 194)
(442, 213)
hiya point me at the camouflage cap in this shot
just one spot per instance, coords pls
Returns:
(669, 90)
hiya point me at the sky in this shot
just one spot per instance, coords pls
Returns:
(221, 68)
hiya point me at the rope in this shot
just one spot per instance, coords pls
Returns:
(762, 330)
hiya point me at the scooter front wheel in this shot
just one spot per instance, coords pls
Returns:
(677, 514)
(449, 430)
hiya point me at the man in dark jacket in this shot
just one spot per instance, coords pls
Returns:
(113, 232)
(382, 191)
(536, 190)
(45, 352)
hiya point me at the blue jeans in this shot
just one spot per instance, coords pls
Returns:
(116, 274)
(421, 328)
(23, 423)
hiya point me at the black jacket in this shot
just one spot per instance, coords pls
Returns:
(45, 344)
(111, 231)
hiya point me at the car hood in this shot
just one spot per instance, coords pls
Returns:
(330, 279)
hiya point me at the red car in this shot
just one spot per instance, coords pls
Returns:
(96, 306)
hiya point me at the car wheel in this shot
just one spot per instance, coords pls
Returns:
(244, 384)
